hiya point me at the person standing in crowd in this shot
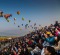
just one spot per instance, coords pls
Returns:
(48, 50)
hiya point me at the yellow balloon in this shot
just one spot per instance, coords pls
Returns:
(20, 29)
(22, 18)
(8, 20)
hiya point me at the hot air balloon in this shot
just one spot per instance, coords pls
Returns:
(14, 18)
(8, 20)
(18, 12)
(32, 27)
(22, 24)
(14, 22)
(1, 14)
(34, 24)
(18, 26)
(22, 18)
(7, 16)
(29, 21)
(26, 26)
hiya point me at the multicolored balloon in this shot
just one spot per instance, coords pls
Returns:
(14, 19)
(1, 13)
(22, 24)
(18, 26)
(14, 22)
(34, 24)
(26, 26)
(6, 16)
(22, 18)
(8, 20)
(18, 12)
(29, 21)
(32, 27)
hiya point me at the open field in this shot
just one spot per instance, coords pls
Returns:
(2, 38)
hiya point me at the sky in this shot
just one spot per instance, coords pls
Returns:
(43, 12)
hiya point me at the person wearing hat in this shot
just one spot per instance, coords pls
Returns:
(50, 38)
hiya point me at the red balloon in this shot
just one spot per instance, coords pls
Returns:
(7, 16)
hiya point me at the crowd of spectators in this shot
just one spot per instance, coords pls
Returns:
(45, 41)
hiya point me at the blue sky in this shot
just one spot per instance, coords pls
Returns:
(43, 12)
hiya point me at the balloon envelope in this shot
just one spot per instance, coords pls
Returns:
(18, 12)
(29, 21)
(34, 24)
(14, 22)
(7, 16)
(22, 18)
(22, 24)
(18, 26)
(14, 18)
(8, 20)
(26, 26)
(1, 14)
